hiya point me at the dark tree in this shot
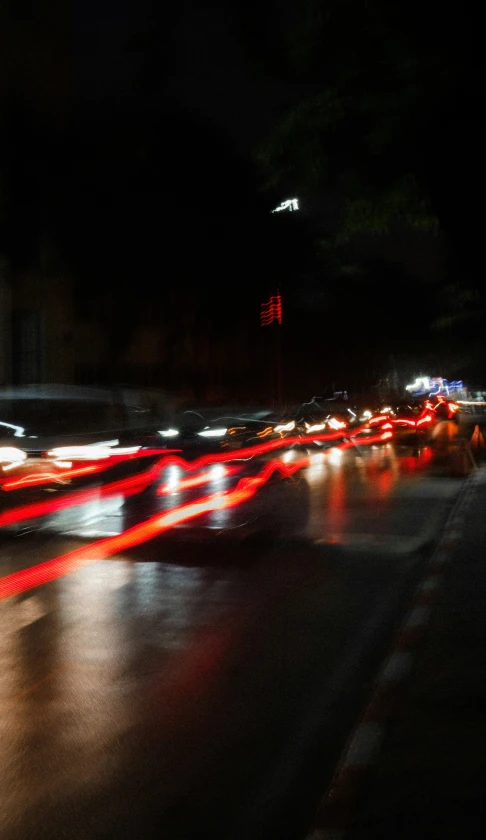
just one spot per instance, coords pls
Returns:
(387, 118)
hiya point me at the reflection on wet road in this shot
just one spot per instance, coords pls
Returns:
(169, 694)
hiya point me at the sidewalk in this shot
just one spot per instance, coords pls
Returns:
(429, 778)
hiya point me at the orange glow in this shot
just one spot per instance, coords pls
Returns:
(427, 418)
(336, 506)
(385, 482)
(265, 432)
(33, 479)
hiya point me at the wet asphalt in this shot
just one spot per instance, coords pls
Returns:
(207, 687)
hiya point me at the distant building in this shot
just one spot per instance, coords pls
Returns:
(54, 332)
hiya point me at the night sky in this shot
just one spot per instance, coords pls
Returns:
(129, 143)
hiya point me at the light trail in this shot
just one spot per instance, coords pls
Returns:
(36, 479)
(50, 570)
(139, 482)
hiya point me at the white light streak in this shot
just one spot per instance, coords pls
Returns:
(213, 432)
(217, 471)
(285, 427)
(19, 431)
(10, 456)
(290, 204)
(317, 427)
(91, 451)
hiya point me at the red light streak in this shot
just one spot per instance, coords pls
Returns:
(271, 310)
(50, 570)
(135, 484)
(128, 486)
(404, 422)
(187, 483)
(378, 419)
(33, 479)
(36, 479)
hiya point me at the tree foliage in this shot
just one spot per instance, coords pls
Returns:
(383, 88)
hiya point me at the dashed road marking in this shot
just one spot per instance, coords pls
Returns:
(338, 806)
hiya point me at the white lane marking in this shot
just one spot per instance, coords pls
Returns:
(397, 667)
(29, 610)
(430, 584)
(453, 535)
(440, 557)
(371, 735)
(456, 524)
(417, 616)
(364, 745)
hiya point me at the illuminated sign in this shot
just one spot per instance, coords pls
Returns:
(421, 385)
(290, 204)
(433, 386)
(271, 310)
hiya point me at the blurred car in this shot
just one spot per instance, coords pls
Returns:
(412, 422)
(404, 418)
(56, 440)
(320, 417)
(236, 470)
(65, 458)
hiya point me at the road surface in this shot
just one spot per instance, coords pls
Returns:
(167, 693)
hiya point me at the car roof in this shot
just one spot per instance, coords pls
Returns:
(57, 392)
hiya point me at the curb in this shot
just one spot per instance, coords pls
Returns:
(338, 806)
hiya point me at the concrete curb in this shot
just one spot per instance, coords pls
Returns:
(338, 806)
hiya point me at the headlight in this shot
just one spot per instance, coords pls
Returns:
(173, 476)
(169, 433)
(335, 424)
(317, 427)
(91, 451)
(10, 456)
(213, 432)
(217, 471)
(285, 427)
